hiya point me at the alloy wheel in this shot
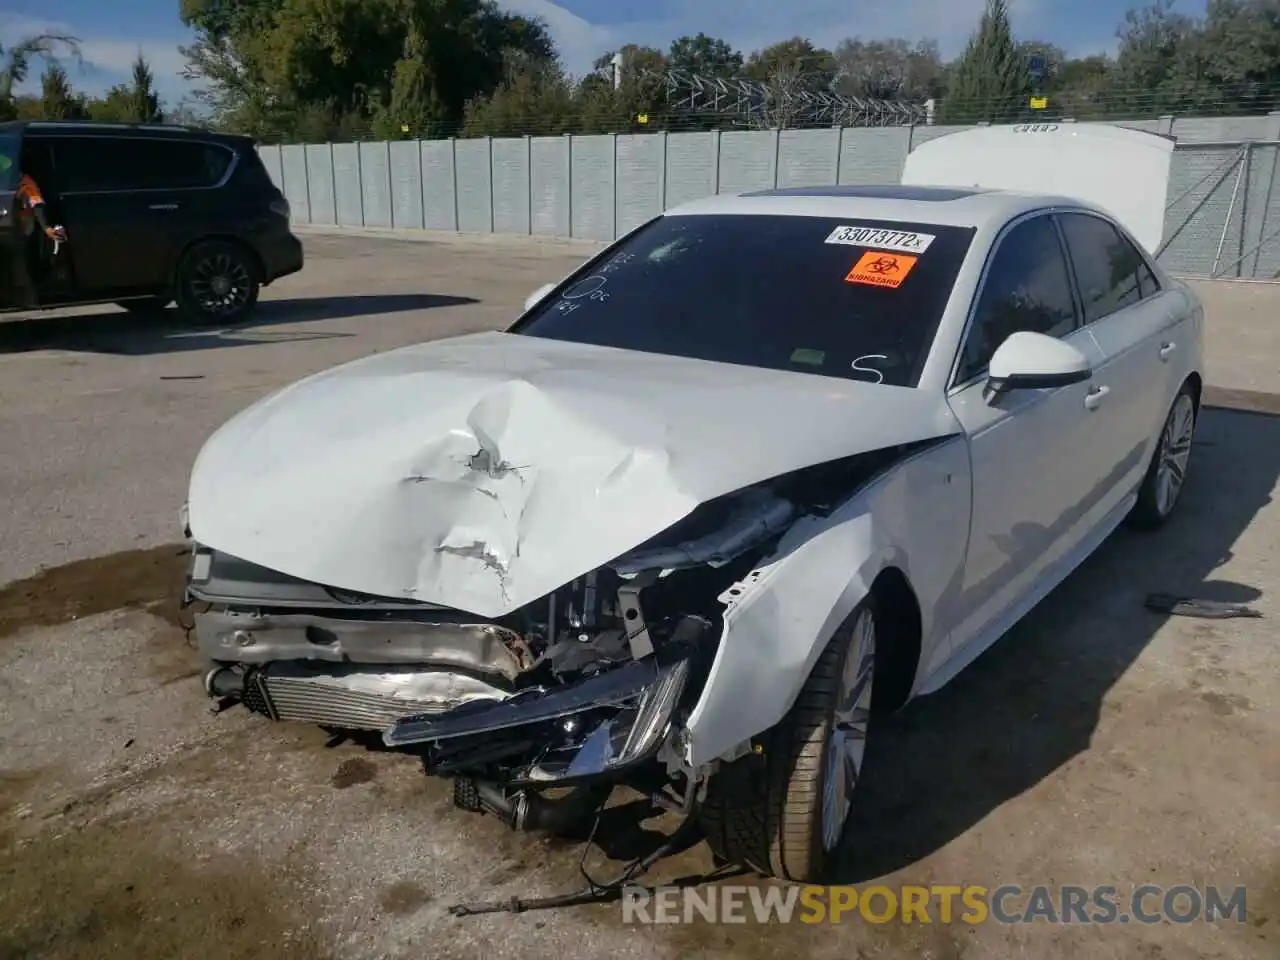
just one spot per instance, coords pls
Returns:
(220, 284)
(1175, 453)
(847, 742)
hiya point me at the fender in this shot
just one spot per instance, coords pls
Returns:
(778, 618)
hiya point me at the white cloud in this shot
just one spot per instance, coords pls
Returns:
(104, 61)
(578, 41)
(753, 24)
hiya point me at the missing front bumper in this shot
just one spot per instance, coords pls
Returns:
(233, 636)
(349, 697)
(594, 728)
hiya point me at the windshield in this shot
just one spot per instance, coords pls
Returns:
(850, 298)
(9, 147)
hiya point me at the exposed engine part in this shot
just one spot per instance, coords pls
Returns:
(351, 696)
(594, 891)
(638, 638)
(224, 682)
(529, 810)
(238, 636)
(569, 733)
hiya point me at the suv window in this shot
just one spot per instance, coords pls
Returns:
(1026, 288)
(804, 294)
(124, 163)
(1110, 272)
(10, 145)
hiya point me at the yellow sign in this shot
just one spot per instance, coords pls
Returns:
(404, 128)
(1039, 103)
(642, 118)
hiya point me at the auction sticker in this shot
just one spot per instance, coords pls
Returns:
(904, 241)
(881, 269)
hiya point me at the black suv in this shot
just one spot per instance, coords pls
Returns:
(153, 214)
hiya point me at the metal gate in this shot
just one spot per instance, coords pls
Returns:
(1223, 216)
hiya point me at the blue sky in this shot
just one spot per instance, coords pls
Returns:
(113, 33)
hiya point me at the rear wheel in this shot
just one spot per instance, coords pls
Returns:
(217, 283)
(783, 810)
(1167, 473)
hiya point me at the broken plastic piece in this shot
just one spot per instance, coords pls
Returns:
(1203, 609)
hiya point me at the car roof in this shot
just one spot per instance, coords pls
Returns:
(944, 206)
(102, 127)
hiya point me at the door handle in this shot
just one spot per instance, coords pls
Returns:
(163, 206)
(1166, 349)
(1093, 399)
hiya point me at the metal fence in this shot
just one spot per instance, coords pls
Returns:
(1222, 220)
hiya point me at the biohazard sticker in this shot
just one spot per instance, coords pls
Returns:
(879, 269)
(903, 241)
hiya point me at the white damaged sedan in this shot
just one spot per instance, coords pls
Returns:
(767, 467)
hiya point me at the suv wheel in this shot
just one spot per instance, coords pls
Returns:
(217, 283)
(782, 811)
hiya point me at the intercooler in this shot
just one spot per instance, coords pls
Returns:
(358, 697)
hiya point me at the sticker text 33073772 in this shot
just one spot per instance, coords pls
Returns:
(903, 241)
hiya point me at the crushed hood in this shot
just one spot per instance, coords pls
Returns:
(482, 472)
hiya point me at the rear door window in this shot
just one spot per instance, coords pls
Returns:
(107, 164)
(1110, 272)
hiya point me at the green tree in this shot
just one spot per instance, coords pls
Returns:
(787, 71)
(268, 67)
(57, 100)
(144, 102)
(704, 56)
(796, 62)
(893, 69)
(1082, 88)
(1228, 62)
(1155, 66)
(535, 100)
(634, 99)
(15, 63)
(989, 81)
(413, 108)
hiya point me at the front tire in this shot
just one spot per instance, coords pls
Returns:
(1167, 472)
(782, 810)
(217, 284)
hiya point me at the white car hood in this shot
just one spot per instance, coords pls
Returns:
(482, 472)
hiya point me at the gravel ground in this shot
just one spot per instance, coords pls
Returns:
(1096, 743)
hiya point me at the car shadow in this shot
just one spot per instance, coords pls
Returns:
(118, 332)
(1032, 702)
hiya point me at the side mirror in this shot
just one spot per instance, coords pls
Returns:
(537, 296)
(1034, 361)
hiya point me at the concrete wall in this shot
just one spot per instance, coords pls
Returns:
(1224, 205)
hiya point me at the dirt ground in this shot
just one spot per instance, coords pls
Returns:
(1098, 743)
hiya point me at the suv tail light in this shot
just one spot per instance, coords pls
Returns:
(280, 207)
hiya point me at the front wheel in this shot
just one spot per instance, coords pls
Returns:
(217, 283)
(1167, 472)
(783, 810)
